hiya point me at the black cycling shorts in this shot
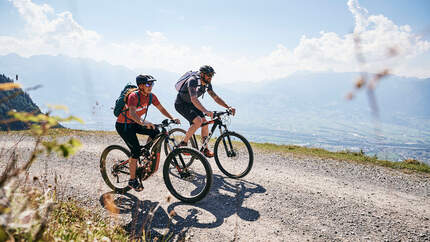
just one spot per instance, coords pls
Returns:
(189, 111)
(130, 138)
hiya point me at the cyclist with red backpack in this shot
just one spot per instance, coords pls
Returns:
(191, 86)
(130, 106)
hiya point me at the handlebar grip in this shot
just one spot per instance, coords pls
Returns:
(165, 123)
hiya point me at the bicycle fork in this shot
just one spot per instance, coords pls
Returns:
(228, 146)
(230, 152)
(184, 172)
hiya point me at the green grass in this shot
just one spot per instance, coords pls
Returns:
(68, 221)
(357, 157)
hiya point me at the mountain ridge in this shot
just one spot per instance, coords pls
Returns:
(15, 99)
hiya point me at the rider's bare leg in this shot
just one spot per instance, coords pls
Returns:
(132, 164)
(133, 182)
(205, 131)
(197, 122)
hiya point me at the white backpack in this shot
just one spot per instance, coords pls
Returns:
(185, 78)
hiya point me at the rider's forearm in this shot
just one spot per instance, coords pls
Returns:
(165, 113)
(135, 118)
(217, 99)
(198, 105)
(221, 102)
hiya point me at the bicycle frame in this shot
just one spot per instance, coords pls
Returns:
(149, 162)
(216, 123)
(154, 156)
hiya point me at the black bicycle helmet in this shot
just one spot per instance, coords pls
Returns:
(140, 79)
(206, 69)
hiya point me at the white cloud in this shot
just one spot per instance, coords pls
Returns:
(50, 33)
(156, 36)
(360, 16)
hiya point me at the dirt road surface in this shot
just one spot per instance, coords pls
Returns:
(284, 198)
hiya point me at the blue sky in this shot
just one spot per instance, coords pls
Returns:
(252, 40)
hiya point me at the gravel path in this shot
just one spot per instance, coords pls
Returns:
(284, 198)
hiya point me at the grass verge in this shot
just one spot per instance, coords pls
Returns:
(358, 157)
(68, 221)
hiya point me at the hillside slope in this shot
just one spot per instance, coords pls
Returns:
(15, 99)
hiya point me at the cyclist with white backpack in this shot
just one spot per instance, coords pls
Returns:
(129, 108)
(191, 86)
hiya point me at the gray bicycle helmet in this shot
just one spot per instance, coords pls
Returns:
(206, 69)
(140, 79)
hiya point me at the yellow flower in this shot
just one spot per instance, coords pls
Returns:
(9, 86)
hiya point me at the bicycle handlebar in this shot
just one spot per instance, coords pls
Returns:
(218, 114)
(165, 123)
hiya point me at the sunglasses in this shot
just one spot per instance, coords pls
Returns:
(149, 84)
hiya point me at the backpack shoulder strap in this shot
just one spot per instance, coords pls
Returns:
(138, 98)
(150, 99)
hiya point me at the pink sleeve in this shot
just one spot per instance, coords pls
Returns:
(155, 99)
(132, 99)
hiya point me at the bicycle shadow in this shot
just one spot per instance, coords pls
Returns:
(225, 199)
(145, 215)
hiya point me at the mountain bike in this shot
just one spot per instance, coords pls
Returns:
(187, 181)
(232, 152)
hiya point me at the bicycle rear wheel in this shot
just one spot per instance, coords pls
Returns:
(178, 135)
(114, 168)
(188, 181)
(233, 155)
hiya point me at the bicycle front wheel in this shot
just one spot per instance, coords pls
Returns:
(114, 168)
(188, 181)
(233, 155)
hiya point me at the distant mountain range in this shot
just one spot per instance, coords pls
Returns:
(87, 87)
(324, 95)
(305, 108)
